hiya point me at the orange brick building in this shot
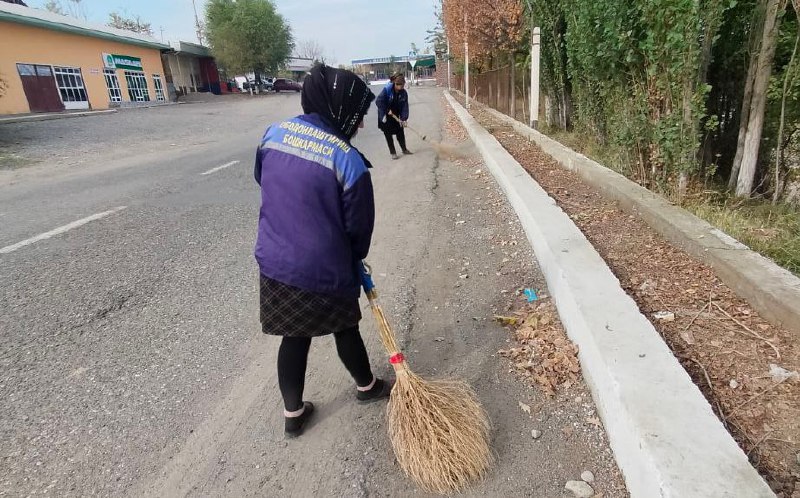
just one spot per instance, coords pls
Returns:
(51, 63)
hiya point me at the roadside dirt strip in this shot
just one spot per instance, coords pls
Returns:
(665, 435)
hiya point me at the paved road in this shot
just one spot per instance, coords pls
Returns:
(131, 361)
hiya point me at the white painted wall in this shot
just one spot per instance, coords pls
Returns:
(185, 72)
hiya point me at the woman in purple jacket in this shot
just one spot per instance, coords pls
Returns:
(315, 226)
(393, 113)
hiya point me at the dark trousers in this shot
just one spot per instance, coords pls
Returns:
(293, 358)
(401, 139)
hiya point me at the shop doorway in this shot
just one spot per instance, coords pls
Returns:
(40, 88)
(159, 86)
(137, 86)
(71, 87)
(112, 83)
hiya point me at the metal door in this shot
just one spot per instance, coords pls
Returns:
(40, 88)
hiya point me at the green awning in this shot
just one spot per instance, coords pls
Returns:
(430, 62)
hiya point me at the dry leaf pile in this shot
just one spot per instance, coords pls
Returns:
(543, 353)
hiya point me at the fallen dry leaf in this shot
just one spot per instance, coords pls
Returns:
(525, 408)
(506, 320)
(594, 421)
(545, 354)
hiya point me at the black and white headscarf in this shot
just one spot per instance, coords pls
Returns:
(338, 95)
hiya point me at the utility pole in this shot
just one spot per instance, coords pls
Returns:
(535, 54)
(197, 24)
(448, 64)
(536, 40)
(466, 63)
(513, 106)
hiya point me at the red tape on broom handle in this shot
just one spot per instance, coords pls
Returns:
(397, 358)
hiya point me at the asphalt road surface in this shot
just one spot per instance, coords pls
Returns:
(131, 359)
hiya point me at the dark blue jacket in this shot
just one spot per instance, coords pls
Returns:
(317, 207)
(389, 99)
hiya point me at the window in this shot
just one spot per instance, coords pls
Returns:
(70, 86)
(112, 83)
(159, 88)
(35, 70)
(26, 69)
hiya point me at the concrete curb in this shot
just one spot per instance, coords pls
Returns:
(665, 437)
(773, 291)
(52, 116)
(151, 105)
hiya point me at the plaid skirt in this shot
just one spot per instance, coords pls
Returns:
(293, 312)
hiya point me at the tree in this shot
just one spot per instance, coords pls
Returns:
(393, 63)
(72, 8)
(311, 49)
(435, 37)
(248, 35)
(789, 77)
(135, 24)
(744, 115)
(489, 27)
(755, 122)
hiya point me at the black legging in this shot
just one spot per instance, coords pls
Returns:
(293, 358)
(401, 139)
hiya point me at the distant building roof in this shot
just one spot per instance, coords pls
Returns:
(56, 22)
(390, 59)
(184, 47)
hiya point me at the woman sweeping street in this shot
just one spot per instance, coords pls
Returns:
(315, 226)
(393, 113)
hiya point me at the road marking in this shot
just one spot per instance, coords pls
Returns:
(60, 230)
(214, 170)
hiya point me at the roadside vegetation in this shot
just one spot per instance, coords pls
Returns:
(698, 101)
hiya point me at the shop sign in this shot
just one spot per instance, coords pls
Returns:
(114, 61)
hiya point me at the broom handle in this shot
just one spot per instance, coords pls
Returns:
(420, 135)
(384, 329)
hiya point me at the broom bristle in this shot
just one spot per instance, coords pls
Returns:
(439, 432)
(438, 429)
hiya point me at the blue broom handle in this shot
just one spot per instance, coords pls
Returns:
(366, 277)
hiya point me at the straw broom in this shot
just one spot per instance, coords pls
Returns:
(442, 150)
(438, 429)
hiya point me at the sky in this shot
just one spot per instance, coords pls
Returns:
(346, 29)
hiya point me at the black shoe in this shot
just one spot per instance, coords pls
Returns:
(381, 390)
(294, 426)
(407, 152)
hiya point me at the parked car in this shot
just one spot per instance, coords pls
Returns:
(282, 84)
